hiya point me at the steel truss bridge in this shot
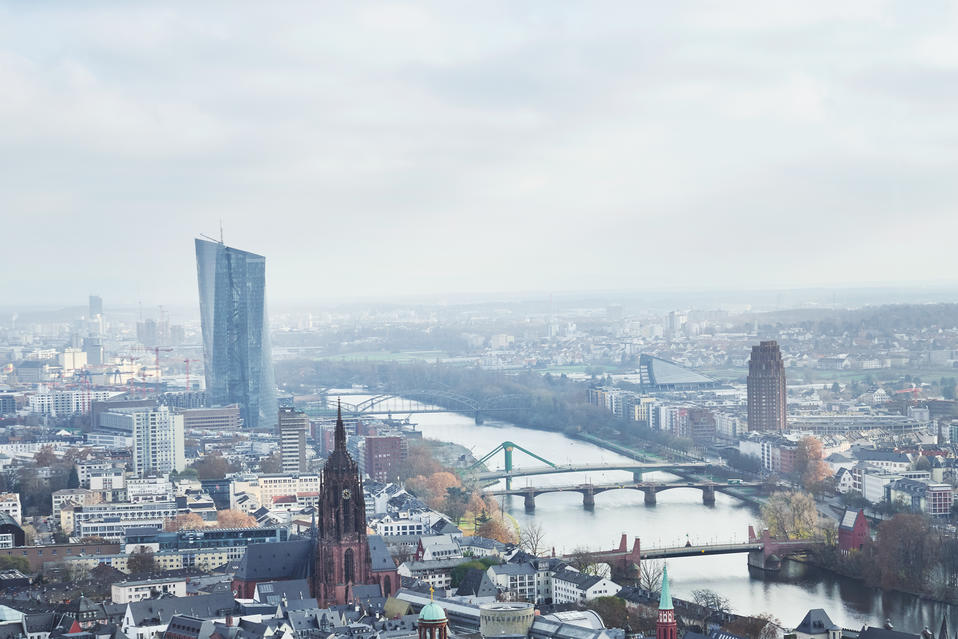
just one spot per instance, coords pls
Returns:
(435, 401)
(651, 489)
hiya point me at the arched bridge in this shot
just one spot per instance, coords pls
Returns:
(435, 401)
(636, 468)
(651, 489)
(764, 552)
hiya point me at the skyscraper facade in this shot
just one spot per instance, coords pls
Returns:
(96, 305)
(236, 350)
(766, 388)
(292, 436)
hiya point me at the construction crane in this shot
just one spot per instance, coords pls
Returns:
(187, 362)
(156, 351)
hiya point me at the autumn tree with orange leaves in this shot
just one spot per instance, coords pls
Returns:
(186, 521)
(234, 519)
(810, 465)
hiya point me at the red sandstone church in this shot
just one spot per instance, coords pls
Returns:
(340, 560)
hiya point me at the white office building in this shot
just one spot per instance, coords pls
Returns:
(67, 402)
(157, 438)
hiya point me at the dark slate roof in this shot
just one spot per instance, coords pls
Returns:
(364, 592)
(188, 626)
(255, 608)
(302, 604)
(883, 455)
(107, 631)
(152, 612)
(521, 557)
(476, 541)
(511, 569)
(40, 622)
(276, 560)
(476, 583)
(816, 622)
(581, 580)
(721, 634)
(379, 555)
(880, 633)
(275, 591)
(445, 527)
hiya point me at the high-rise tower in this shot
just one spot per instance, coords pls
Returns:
(666, 626)
(293, 425)
(766, 388)
(238, 362)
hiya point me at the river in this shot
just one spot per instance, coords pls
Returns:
(678, 516)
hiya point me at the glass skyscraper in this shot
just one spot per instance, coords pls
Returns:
(237, 357)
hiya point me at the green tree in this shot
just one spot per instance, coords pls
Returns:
(73, 481)
(11, 562)
(213, 466)
(948, 387)
(456, 502)
(272, 464)
(141, 562)
(790, 515)
(459, 572)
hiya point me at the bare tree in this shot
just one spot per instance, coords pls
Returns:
(141, 561)
(532, 539)
(583, 560)
(403, 554)
(763, 626)
(712, 602)
(650, 574)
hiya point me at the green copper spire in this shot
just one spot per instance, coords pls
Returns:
(665, 599)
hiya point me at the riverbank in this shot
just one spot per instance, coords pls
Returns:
(567, 525)
(833, 568)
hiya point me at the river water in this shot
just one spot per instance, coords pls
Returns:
(678, 516)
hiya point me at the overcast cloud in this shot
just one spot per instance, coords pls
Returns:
(376, 149)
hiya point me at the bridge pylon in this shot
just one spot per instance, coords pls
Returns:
(708, 495)
(507, 448)
(650, 499)
(530, 500)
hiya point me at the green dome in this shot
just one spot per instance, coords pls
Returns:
(432, 612)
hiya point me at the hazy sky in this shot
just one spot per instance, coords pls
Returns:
(492, 146)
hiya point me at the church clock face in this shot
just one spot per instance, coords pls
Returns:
(347, 493)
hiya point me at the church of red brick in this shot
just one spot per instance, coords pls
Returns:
(340, 555)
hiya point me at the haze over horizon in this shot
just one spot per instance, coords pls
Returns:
(427, 148)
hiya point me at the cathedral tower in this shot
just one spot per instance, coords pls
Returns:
(342, 550)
